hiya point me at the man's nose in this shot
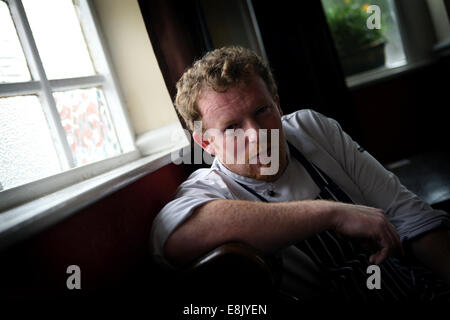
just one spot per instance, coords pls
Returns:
(252, 129)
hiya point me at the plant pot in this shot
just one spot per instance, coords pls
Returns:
(364, 59)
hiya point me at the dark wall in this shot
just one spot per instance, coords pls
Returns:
(175, 31)
(406, 115)
(392, 119)
(304, 60)
(107, 240)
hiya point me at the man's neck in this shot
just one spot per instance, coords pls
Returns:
(262, 178)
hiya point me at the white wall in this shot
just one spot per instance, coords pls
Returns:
(146, 96)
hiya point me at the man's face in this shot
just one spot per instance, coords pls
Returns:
(246, 108)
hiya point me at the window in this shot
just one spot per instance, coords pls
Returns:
(59, 104)
(360, 48)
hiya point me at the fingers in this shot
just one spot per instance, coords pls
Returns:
(389, 242)
(398, 248)
(379, 256)
(370, 223)
(395, 243)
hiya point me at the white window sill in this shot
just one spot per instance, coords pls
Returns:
(443, 47)
(380, 74)
(25, 220)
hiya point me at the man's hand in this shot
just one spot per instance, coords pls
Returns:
(368, 223)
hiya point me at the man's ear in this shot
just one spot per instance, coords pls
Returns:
(205, 144)
(277, 102)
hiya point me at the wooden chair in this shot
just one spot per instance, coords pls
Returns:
(232, 273)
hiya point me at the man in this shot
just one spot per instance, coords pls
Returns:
(325, 197)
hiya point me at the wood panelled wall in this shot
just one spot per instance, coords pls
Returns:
(107, 240)
(406, 115)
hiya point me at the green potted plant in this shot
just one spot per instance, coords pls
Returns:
(359, 47)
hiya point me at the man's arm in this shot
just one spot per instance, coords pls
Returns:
(382, 189)
(433, 250)
(271, 226)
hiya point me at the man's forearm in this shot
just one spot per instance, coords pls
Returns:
(220, 221)
(433, 250)
(271, 226)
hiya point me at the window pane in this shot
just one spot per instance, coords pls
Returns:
(86, 120)
(13, 66)
(26, 146)
(395, 55)
(359, 47)
(59, 39)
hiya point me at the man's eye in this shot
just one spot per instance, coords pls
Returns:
(230, 127)
(263, 109)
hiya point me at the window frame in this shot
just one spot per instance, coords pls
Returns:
(30, 208)
(382, 72)
(43, 88)
(417, 33)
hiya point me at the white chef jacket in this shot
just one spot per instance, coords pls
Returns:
(322, 141)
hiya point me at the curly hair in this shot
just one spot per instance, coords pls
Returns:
(219, 70)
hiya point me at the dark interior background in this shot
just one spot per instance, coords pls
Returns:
(392, 119)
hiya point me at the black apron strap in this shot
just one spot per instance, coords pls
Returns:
(329, 189)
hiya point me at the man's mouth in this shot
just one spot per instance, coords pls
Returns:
(262, 155)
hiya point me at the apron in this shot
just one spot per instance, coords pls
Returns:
(345, 261)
